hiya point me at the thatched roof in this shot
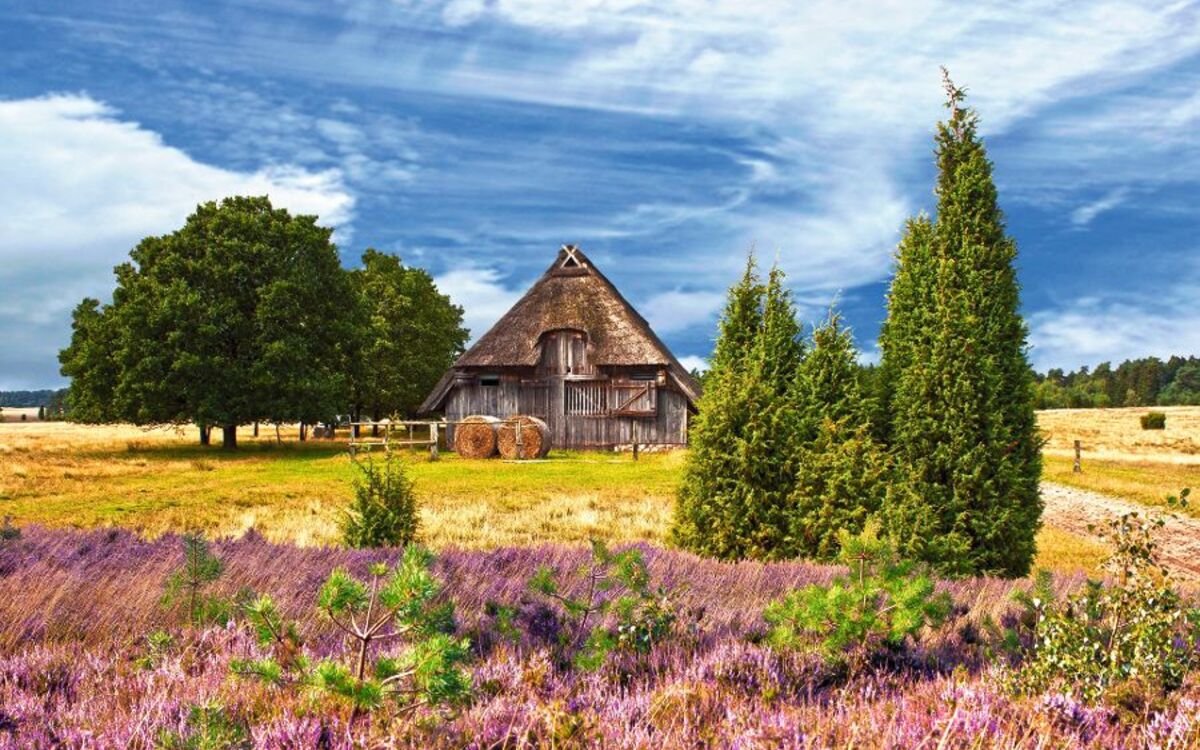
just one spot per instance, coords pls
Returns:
(572, 293)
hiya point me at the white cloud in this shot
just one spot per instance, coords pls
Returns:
(482, 294)
(79, 187)
(1090, 330)
(692, 362)
(679, 310)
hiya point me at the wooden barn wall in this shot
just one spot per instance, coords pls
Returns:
(512, 396)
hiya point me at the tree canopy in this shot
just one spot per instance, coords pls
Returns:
(245, 314)
(410, 333)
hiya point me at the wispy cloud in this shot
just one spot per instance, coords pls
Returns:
(666, 136)
(1114, 327)
(1083, 215)
(482, 292)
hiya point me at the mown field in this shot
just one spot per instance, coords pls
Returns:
(155, 481)
(161, 480)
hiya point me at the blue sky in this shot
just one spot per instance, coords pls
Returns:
(474, 137)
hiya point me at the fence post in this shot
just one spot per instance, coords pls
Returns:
(1078, 463)
(433, 441)
(635, 451)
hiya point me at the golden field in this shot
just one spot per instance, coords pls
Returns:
(160, 480)
(1117, 434)
(1119, 457)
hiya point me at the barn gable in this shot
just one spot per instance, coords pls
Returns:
(571, 297)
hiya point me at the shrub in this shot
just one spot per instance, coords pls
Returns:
(883, 602)
(392, 604)
(1155, 420)
(1137, 630)
(384, 510)
(158, 646)
(187, 586)
(8, 532)
(617, 583)
(209, 727)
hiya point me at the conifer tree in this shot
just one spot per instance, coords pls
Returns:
(959, 385)
(840, 470)
(710, 492)
(733, 499)
(774, 418)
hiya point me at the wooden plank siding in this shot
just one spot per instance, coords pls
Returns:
(579, 410)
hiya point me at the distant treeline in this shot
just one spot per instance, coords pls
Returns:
(28, 399)
(1135, 382)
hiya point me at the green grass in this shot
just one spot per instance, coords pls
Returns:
(158, 482)
(296, 492)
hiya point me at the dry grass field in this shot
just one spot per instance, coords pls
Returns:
(160, 480)
(1117, 434)
(1119, 457)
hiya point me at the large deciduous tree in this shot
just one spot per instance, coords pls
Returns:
(959, 385)
(236, 317)
(409, 334)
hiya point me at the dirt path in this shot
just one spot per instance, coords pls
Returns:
(1072, 510)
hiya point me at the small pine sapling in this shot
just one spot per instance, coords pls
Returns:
(158, 645)
(188, 585)
(617, 583)
(209, 727)
(882, 603)
(394, 604)
(1136, 631)
(384, 510)
(287, 664)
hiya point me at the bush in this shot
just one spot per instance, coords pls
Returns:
(384, 510)
(1155, 420)
(875, 610)
(393, 604)
(1102, 642)
(187, 587)
(617, 583)
(209, 727)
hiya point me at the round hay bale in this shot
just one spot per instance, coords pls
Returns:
(535, 437)
(475, 436)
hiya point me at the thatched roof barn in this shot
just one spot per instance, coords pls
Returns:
(574, 353)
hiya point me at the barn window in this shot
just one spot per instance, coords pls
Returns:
(489, 381)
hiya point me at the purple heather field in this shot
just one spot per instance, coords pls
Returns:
(75, 608)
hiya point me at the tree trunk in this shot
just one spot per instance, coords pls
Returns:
(256, 429)
(229, 437)
(205, 431)
(303, 432)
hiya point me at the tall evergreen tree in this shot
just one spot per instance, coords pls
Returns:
(840, 470)
(710, 493)
(733, 499)
(959, 383)
(767, 456)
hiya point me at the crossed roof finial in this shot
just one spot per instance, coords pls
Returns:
(571, 258)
